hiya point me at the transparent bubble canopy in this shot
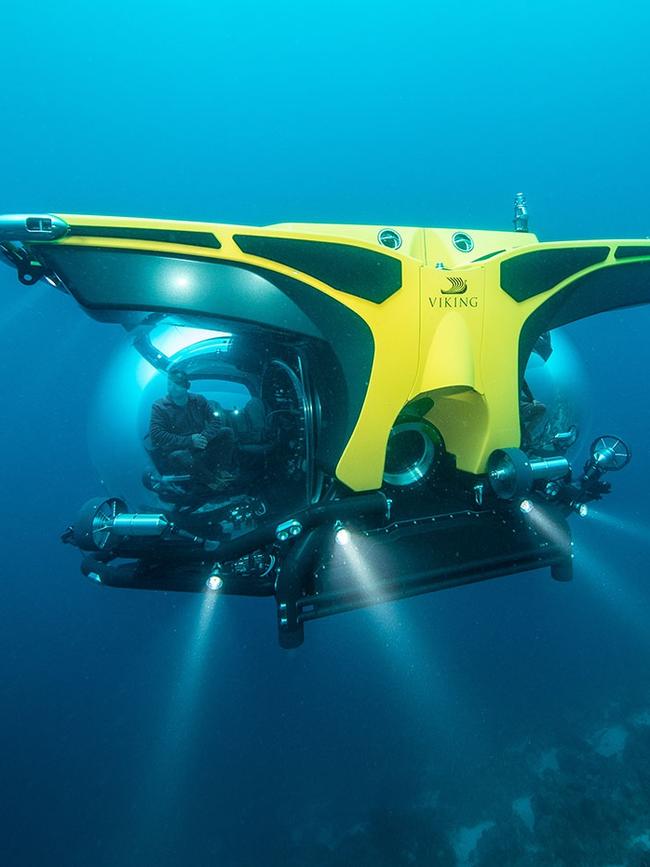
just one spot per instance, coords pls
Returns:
(251, 396)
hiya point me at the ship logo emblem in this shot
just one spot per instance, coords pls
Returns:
(458, 286)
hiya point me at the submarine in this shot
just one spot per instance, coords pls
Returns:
(373, 383)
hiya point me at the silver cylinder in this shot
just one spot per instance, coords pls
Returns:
(139, 525)
(549, 468)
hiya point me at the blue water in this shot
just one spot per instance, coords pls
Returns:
(130, 736)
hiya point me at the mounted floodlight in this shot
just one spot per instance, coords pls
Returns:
(526, 506)
(607, 454)
(552, 489)
(214, 582)
(582, 509)
(287, 530)
(342, 535)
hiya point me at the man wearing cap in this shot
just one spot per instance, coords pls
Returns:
(188, 436)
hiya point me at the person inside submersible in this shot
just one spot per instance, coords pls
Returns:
(188, 437)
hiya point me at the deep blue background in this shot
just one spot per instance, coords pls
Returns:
(119, 746)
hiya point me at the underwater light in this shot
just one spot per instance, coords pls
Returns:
(526, 506)
(342, 535)
(288, 529)
(582, 509)
(214, 582)
(552, 489)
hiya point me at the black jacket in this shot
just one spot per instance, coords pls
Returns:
(172, 426)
